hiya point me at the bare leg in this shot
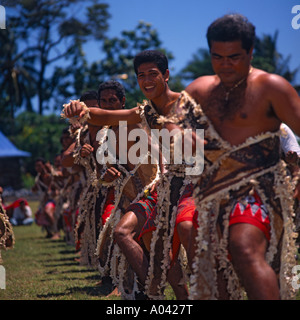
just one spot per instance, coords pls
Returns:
(191, 248)
(124, 233)
(185, 232)
(127, 228)
(176, 279)
(175, 274)
(247, 245)
(49, 211)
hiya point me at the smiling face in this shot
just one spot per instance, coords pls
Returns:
(230, 61)
(151, 81)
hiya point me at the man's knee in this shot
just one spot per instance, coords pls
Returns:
(125, 228)
(129, 226)
(120, 233)
(185, 229)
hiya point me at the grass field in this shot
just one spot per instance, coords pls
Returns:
(42, 269)
(38, 268)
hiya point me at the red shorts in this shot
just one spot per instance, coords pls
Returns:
(108, 206)
(249, 210)
(186, 210)
(50, 204)
(145, 208)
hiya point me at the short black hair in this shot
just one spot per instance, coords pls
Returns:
(65, 131)
(113, 85)
(89, 95)
(155, 56)
(232, 27)
(40, 159)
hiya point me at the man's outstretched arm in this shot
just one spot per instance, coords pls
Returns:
(101, 117)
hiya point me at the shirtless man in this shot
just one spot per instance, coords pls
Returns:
(120, 191)
(243, 102)
(91, 100)
(152, 72)
(153, 76)
(81, 148)
(45, 214)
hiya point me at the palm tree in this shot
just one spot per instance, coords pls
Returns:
(198, 66)
(16, 82)
(53, 31)
(267, 57)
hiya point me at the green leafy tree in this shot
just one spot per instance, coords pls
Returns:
(198, 66)
(39, 135)
(16, 81)
(119, 53)
(267, 57)
(52, 31)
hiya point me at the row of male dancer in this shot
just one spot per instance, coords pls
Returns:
(234, 222)
(59, 189)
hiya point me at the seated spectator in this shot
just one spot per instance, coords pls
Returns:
(22, 214)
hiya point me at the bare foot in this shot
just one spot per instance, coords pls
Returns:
(56, 236)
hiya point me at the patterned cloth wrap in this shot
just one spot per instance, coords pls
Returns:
(170, 190)
(129, 189)
(232, 173)
(93, 203)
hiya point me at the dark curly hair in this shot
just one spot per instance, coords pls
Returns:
(113, 85)
(89, 95)
(154, 56)
(232, 27)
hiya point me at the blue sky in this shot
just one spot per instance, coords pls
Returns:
(182, 24)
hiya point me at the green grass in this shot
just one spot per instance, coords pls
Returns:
(38, 268)
(41, 269)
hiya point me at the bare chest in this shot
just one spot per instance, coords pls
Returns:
(243, 114)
